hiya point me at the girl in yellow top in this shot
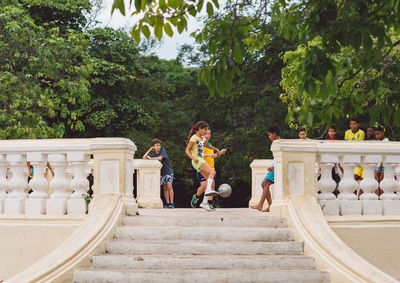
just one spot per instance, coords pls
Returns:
(209, 156)
(194, 150)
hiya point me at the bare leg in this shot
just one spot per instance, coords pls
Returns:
(166, 193)
(170, 192)
(202, 188)
(265, 195)
(209, 174)
(207, 171)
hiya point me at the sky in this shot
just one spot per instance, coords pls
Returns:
(169, 46)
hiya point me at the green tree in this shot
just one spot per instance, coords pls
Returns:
(114, 109)
(362, 32)
(65, 15)
(41, 76)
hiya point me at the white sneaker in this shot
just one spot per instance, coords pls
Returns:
(206, 206)
(211, 193)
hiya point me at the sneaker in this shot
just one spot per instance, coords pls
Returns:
(206, 206)
(211, 206)
(211, 193)
(171, 205)
(165, 205)
(195, 200)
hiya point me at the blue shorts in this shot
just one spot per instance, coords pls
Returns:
(270, 176)
(200, 177)
(166, 179)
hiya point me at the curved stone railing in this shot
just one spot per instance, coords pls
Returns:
(302, 169)
(56, 205)
(64, 191)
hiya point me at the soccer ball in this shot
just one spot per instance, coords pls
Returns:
(224, 190)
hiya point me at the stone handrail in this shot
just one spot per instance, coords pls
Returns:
(71, 162)
(112, 168)
(302, 176)
(297, 167)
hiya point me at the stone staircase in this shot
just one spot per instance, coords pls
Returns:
(193, 245)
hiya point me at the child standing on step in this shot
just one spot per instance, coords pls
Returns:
(194, 150)
(167, 173)
(209, 157)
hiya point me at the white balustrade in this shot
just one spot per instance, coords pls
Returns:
(57, 203)
(3, 181)
(327, 185)
(79, 183)
(15, 201)
(36, 203)
(67, 191)
(349, 154)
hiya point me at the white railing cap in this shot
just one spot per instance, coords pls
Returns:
(262, 163)
(64, 145)
(113, 143)
(143, 164)
(337, 147)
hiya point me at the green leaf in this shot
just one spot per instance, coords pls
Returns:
(210, 9)
(158, 31)
(146, 31)
(136, 35)
(138, 5)
(118, 4)
(168, 29)
(192, 10)
(216, 3)
(238, 53)
(174, 4)
(200, 6)
(396, 118)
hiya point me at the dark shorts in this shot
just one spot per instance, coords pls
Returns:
(200, 177)
(167, 179)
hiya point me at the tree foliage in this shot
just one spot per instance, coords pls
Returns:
(346, 50)
(41, 76)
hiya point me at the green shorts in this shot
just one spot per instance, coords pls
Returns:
(198, 164)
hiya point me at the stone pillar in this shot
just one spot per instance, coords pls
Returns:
(391, 202)
(79, 184)
(349, 205)
(148, 183)
(3, 181)
(15, 202)
(329, 203)
(36, 203)
(57, 203)
(258, 173)
(294, 165)
(112, 169)
(369, 199)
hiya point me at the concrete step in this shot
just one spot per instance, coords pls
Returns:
(204, 247)
(220, 276)
(218, 221)
(205, 233)
(147, 262)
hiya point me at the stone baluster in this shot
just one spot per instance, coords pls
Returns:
(57, 203)
(3, 181)
(369, 199)
(36, 203)
(79, 183)
(15, 202)
(329, 203)
(391, 203)
(397, 176)
(348, 200)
